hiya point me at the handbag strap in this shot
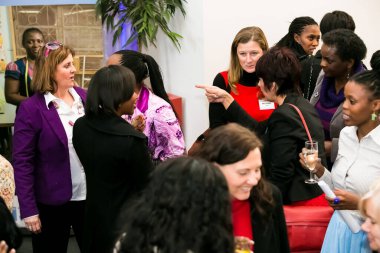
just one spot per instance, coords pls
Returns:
(303, 120)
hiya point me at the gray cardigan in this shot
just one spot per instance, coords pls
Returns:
(336, 123)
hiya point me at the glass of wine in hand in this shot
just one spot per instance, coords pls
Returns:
(310, 154)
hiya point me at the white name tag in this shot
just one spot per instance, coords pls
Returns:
(266, 105)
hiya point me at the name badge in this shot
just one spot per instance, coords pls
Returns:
(266, 105)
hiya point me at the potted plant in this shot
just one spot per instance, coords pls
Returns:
(145, 16)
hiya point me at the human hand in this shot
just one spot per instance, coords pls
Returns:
(139, 123)
(319, 168)
(33, 224)
(346, 200)
(216, 95)
(4, 248)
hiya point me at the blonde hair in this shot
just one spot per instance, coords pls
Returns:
(374, 195)
(46, 65)
(251, 33)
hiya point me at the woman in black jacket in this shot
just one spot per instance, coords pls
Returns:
(114, 155)
(283, 133)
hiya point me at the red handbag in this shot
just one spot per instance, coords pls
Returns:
(306, 225)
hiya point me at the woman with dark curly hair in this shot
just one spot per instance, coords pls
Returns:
(342, 54)
(185, 208)
(257, 211)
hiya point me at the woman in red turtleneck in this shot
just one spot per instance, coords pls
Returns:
(257, 211)
(240, 80)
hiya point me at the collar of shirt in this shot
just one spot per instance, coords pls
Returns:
(374, 134)
(50, 98)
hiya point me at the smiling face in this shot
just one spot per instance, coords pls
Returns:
(371, 225)
(357, 106)
(309, 38)
(242, 176)
(248, 54)
(34, 41)
(64, 73)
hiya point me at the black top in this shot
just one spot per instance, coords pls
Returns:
(270, 236)
(284, 137)
(217, 113)
(311, 67)
(116, 161)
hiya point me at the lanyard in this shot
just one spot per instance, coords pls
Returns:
(26, 77)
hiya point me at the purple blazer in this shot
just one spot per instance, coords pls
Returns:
(40, 155)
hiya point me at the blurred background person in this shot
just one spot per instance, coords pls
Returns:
(240, 80)
(311, 68)
(257, 211)
(50, 181)
(342, 54)
(19, 74)
(114, 155)
(283, 133)
(369, 207)
(184, 208)
(154, 114)
(357, 164)
(9, 232)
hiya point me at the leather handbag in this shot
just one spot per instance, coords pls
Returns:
(306, 225)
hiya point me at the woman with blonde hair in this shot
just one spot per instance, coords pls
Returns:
(369, 206)
(240, 80)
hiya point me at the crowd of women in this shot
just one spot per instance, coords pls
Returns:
(110, 162)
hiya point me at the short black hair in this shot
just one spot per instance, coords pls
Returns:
(30, 30)
(280, 65)
(108, 88)
(335, 20)
(347, 43)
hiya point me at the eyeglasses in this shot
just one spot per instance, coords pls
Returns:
(51, 46)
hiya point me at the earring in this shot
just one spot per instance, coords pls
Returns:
(348, 75)
(373, 116)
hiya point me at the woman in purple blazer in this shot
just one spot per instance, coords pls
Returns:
(50, 181)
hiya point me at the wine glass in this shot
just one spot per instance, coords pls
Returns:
(310, 154)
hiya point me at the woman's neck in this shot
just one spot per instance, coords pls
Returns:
(65, 95)
(340, 83)
(364, 129)
(280, 99)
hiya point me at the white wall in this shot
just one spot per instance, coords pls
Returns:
(210, 26)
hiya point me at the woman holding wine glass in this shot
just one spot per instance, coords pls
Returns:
(257, 212)
(358, 161)
(284, 134)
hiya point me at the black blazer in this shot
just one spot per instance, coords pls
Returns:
(270, 236)
(117, 164)
(284, 137)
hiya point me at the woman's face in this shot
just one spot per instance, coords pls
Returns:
(128, 107)
(33, 43)
(309, 38)
(64, 73)
(242, 176)
(248, 54)
(332, 64)
(357, 108)
(269, 95)
(372, 226)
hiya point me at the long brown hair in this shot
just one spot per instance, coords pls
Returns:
(251, 33)
(46, 65)
(232, 143)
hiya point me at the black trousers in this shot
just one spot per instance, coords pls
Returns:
(56, 222)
